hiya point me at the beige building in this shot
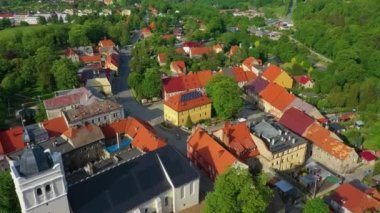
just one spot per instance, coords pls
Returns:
(279, 148)
(100, 84)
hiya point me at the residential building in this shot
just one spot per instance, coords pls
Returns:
(193, 105)
(304, 81)
(208, 155)
(239, 75)
(161, 58)
(275, 99)
(39, 180)
(204, 76)
(178, 67)
(101, 85)
(105, 46)
(276, 75)
(112, 62)
(349, 197)
(72, 54)
(88, 59)
(218, 48)
(279, 148)
(330, 151)
(99, 112)
(254, 87)
(296, 120)
(66, 100)
(55, 127)
(146, 33)
(187, 45)
(11, 141)
(172, 86)
(238, 139)
(252, 64)
(197, 52)
(233, 50)
(191, 82)
(159, 181)
(305, 107)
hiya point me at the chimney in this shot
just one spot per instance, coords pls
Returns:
(272, 141)
(280, 131)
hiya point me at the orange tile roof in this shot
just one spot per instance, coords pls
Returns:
(322, 138)
(152, 25)
(55, 127)
(250, 61)
(233, 50)
(250, 75)
(178, 66)
(144, 137)
(11, 140)
(240, 140)
(161, 57)
(272, 72)
(204, 77)
(239, 74)
(89, 58)
(176, 103)
(191, 81)
(355, 200)
(179, 50)
(271, 92)
(106, 43)
(197, 51)
(211, 151)
(283, 100)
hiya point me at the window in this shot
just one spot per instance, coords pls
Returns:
(39, 192)
(191, 188)
(47, 188)
(183, 192)
(166, 201)
(146, 210)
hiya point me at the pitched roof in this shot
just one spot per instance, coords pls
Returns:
(251, 61)
(55, 127)
(368, 156)
(12, 140)
(272, 72)
(106, 43)
(239, 74)
(322, 138)
(83, 135)
(296, 120)
(113, 59)
(271, 92)
(302, 79)
(178, 66)
(240, 140)
(250, 75)
(283, 100)
(173, 84)
(233, 50)
(211, 151)
(186, 101)
(179, 50)
(258, 85)
(204, 77)
(354, 199)
(198, 51)
(191, 81)
(191, 44)
(90, 59)
(161, 58)
(301, 105)
(63, 100)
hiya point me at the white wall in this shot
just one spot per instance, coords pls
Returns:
(189, 199)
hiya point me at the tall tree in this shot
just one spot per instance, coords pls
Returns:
(316, 205)
(237, 191)
(225, 95)
(65, 74)
(151, 85)
(8, 198)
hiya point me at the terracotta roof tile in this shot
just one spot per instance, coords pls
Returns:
(233, 50)
(173, 84)
(271, 92)
(90, 59)
(179, 66)
(283, 100)
(161, 58)
(322, 138)
(186, 101)
(106, 43)
(250, 75)
(191, 81)
(198, 51)
(204, 77)
(55, 127)
(239, 74)
(296, 120)
(355, 200)
(12, 140)
(211, 151)
(251, 61)
(302, 79)
(272, 72)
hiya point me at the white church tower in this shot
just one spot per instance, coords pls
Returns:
(40, 180)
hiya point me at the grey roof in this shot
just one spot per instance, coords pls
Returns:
(277, 137)
(132, 183)
(34, 160)
(301, 105)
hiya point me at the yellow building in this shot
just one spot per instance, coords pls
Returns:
(100, 84)
(284, 80)
(194, 105)
(275, 74)
(279, 148)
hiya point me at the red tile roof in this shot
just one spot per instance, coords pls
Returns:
(204, 77)
(302, 79)
(146, 32)
(368, 156)
(62, 101)
(272, 72)
(178, 66)
(55, 127)
(233, 50)
(199, 51)
(143, 136)
(177, 103)
(283, 100)
(211, 151)
(271, 92)
(296, 120)
(251, 61)
(239, 74)
(7, 15)
(191, 44)
(106, 43)
(239, 140)
(191, 81)
(90, 59)
(322, 138)
(250, 75)
(355, 200)
(12, 140)
(173, 84)
(161, 58)
(152, 25)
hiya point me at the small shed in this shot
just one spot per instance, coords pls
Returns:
(368, 156)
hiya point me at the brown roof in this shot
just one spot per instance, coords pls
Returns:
(185, 101)
(198, 51)
(211, 151)
(83, 135)
(204, 77)
(179, 66)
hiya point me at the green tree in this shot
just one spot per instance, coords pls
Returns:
(188, 123)
(8, 197)
(78, 36)
(151, 85)
(134, 80)
(40, 113)
(65, 74)
(42, 20)
(316, 205)
(237, 191)
(225, 95)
